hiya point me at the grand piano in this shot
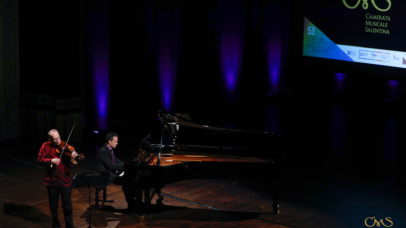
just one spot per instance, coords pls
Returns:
(181, 150)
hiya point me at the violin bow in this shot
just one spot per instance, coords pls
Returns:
(66, 143)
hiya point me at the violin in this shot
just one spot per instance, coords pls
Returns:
(68, 151)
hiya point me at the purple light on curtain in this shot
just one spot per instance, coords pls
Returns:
(98, 52)
(167, 77)
(231, 60)
(101, 85)
(274, 63)
(230, 30)
(274, 33)
(393, 89)
(167, 37)
(393, 84)
(340, 77)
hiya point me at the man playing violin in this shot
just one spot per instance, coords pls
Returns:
(57, 178)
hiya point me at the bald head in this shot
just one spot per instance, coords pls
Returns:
(54, 137)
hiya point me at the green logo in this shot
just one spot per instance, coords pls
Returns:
(365, 5)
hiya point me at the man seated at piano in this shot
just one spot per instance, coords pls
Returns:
(107, 161)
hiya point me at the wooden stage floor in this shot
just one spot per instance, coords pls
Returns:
(309, 198)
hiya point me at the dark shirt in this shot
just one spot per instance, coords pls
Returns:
(105, 161)
(57, 176)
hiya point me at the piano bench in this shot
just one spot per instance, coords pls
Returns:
(97, 194)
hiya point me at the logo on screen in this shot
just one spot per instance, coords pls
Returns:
(365, 5)
(374, 222)
(374, 55)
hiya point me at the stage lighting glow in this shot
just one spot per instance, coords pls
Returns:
(167, 77)
(167, 44)
(340, 77)
(98, 52)
(231, 60)
(274, 64)
(393, 84)
(101, 88)
(231, 26)
(393, 89)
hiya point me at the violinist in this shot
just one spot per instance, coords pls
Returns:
(57, 178)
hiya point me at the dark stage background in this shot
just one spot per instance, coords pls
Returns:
(323, 111)
(61, 41)
(105, 65)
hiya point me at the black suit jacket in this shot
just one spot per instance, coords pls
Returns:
(105, 162)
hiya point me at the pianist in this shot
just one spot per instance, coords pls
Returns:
(106, 160)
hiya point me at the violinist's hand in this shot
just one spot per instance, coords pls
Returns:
(73, 155)
(55, 161)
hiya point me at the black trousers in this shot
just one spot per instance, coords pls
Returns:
(129, 193)
(53, 198)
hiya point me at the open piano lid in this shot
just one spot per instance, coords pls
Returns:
(178, 133)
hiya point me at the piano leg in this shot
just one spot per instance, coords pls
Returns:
(148, 196)
(160, 197)
(276, 209)
(275, 196)
(138, 196)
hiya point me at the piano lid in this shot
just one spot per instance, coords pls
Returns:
(179, 133)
